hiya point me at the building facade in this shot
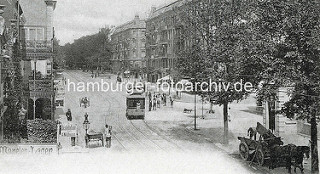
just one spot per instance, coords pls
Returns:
(163, 31)
(128, 47)
(36, 37)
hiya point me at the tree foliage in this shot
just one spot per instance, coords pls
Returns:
(289, 33)
(89, 50)
(219, 36)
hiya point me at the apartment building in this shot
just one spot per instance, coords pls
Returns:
(128, 47)
(163, 30)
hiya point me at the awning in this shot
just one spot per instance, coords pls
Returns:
(184, 81)
(168, 77)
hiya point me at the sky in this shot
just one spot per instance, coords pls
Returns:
(76, 18)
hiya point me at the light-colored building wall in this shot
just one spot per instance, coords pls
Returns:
(36, 36)
(163, 39)
(128, 45)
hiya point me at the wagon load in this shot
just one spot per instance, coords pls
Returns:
(258, 150)
(269, 150)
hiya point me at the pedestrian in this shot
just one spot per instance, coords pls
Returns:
(108, 138)
(164, 100)
(154, 103)
(68, 114)
(150, 104)
(171, 101)
(161, 97)
(158, 102)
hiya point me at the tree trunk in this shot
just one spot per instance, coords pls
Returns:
(225, 121)
(211, 106)
(314, 146)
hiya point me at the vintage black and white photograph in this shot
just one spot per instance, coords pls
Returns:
(159, 86)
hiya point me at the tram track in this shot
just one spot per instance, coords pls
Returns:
(76, 77)
(148, 128)
(133, 137)
(148, 143)
(135, 134)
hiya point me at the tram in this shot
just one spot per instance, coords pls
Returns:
(135, 106)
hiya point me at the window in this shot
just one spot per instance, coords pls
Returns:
(40, 35)
(32, 34)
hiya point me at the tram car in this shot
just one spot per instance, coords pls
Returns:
(135, 106)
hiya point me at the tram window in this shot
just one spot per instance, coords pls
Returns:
(131, 103)
(141, 104)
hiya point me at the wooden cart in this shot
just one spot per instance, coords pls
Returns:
(258, 150)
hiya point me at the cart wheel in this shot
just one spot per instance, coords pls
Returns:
(244, 151)
(260, 157)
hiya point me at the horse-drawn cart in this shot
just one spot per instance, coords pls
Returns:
(269, 150)
(258, 150)
(85, 102)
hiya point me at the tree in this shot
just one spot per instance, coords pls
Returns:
(221, 31)
(89, 50)
(288, 35)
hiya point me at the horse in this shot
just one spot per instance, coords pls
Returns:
(85, 102)
(280, 156)
(288, 155)
(297, 155)
(252, 132)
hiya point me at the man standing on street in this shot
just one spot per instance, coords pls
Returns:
(150, 104)
(164, 99)
(108, 136)
(171, 101)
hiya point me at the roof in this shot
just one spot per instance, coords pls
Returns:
(165, 8)
(35, 12)
(136, 23)
(136, 96)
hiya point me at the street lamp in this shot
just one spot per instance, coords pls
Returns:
(86, 126)
(195, 102)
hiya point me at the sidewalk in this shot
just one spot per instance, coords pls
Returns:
(65, 141)
(242, 116)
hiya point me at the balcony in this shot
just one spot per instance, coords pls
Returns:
(44, 85)
(38, 45)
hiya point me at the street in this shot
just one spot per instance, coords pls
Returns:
(165, 140)
(146, 136)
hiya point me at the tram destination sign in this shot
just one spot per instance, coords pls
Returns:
(40, 149)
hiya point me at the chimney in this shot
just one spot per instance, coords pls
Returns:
(136, 17)
(50, 8)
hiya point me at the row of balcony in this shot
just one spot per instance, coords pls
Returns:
(37, 44)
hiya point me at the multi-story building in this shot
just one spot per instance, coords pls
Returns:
(163, 35)
(36, 37)
(128, 47)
